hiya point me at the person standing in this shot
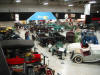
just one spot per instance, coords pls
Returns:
(27, 36)
(50, 46)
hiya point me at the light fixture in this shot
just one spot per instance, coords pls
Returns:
(97, 11)
(66, 0)
(70, 5)
(45, 3)
(18, 1)
(92, 2)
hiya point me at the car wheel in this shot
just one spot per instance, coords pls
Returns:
(78, 59)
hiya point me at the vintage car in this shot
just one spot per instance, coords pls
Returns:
(52, 38)
(9, 28)
(42, 38)
(16, 51)
(88, 53)
(18, 58)
(58, 49)
(94, 25)
(57, 37)
(11, 35)
(3, 29)
(70, 37)
(16, 55)
(89, 37)
(55, 27)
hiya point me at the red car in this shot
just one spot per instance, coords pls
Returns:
(18, 60)
(16, 46)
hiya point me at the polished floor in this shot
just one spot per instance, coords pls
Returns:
(66, 67)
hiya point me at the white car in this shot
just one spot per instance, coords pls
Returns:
(79, 54)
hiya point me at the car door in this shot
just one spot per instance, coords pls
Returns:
(91, 57)
(97, 54)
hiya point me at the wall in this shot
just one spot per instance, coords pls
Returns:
(8, 23)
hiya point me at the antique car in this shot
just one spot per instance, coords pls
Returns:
(21, 61)
(9, 28)
(11, 35)
(57, 37)
(18, 58)
(45, 39)
(54, 27)
(58, 28)
(3, 29)
(42, 38)
(94, 25)
(18, 55)
(58, 49)
(70, 37)
(7, 33)
(88, 53)
(89, 37)
(41, 28)
(16, 50)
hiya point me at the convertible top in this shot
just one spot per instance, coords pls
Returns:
(17, 44)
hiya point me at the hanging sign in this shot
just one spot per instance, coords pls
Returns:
(87, 9)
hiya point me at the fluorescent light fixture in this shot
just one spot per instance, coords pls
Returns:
(18, 1)
(66, 0)
(70, 5)
(92, 2)
(45, 3)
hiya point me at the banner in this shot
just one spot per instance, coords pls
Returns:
(42, 16)
(87, 9)
(16, 17)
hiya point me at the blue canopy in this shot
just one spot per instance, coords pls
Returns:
(42, 16)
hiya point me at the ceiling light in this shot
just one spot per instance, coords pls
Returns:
(70, 5)
(97, 11)
(46, 3)
(66, 0)
(18, 1)
(92, 2)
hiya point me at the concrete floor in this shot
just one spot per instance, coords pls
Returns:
(66, 67)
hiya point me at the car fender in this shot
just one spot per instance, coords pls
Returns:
(77, 54)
